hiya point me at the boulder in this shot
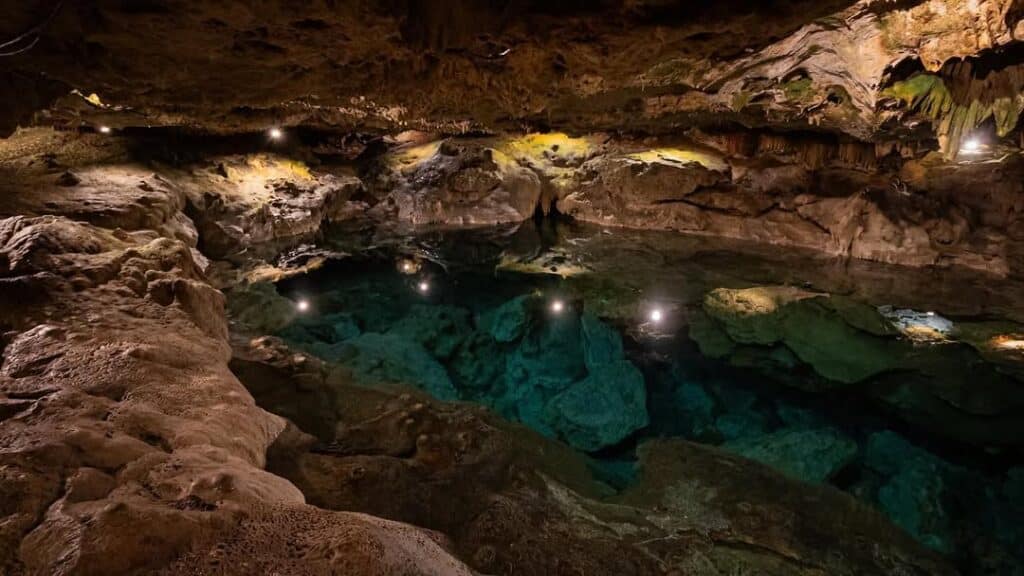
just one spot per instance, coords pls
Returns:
(808, 324)
(602, 409)
(916, 489)
(453, 182)
(811, 455)
(696, 410)
(389, 359)
(439, 329)
(509, 322)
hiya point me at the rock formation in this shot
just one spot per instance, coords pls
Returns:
(156, 153)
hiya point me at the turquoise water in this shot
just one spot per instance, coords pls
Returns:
(902, 387)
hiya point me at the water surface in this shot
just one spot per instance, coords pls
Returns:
(904, 387)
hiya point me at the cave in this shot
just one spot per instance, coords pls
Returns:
(509, 287)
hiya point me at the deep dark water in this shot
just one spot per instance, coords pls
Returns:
(903, 387)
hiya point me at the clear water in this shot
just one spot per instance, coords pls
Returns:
(902, 387)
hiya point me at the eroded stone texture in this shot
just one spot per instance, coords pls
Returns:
(126, 441)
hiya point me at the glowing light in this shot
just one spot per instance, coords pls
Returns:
(656, 315)
(557, 306)
(302, 305)
(423, 287)
(1014, 342)
(275, 133)
(406, 266)
(104, 129)
(970, 146)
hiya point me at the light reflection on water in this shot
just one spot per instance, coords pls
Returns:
(864, 376)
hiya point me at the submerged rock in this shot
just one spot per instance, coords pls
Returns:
(741, 424)
(478, 367)
(807, 324)
(509, 322)
(549, 356)
(439, 329)
(601, 343)
(696, 410)
(259, 308)
(327, 329)
(915, 489)
(602, 409)
(811, 455)
(389, 359)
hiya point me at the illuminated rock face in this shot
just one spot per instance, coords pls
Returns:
(452, 183)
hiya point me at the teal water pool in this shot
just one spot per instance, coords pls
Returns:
(903, 387)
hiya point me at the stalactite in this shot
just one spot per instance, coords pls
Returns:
(961, 97)
(816, 153)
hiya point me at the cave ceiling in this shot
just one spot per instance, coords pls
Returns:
(490, 66)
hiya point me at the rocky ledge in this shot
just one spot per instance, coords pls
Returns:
(130, 446)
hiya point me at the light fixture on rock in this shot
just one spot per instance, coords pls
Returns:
(655, 315)
(104, 129)
(971, 146)
(423, 287)
(557, 306)
(302, 305)
(275, 133)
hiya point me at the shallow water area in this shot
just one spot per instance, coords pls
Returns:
(903, 390)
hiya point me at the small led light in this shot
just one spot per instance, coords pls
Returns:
(971, 146)
(302, 305)
(104, 129)
(656, 315)
(557, 306)
(424, 287)
(275, 133)
(406, 266)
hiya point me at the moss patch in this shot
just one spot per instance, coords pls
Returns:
(929, 95)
